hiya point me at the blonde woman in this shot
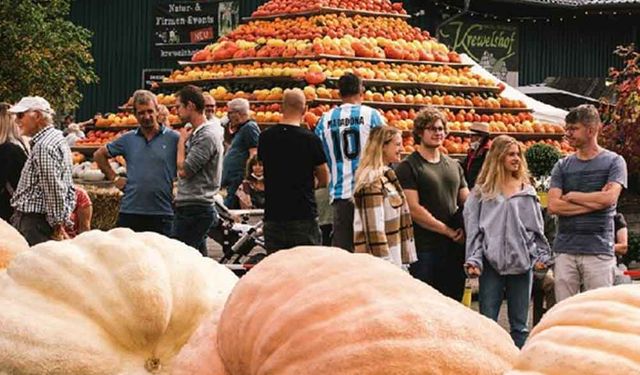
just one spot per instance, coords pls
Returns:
(13, 155)
(505, 235)
(382, 222)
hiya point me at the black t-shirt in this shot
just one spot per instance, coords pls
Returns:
(438, 185)
(289, 155)
(619, 222)
(12, 159)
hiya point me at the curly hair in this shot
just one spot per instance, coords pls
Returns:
(424, 119)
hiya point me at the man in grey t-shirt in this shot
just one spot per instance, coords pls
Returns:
(199, 162)
(584, 192)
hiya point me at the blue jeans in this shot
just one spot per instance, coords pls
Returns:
(146, 223)
(517, 288)
(191, 224)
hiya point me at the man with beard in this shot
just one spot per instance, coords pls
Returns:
(435, 188)
(150, 153)
(584, 193)
(199, 169)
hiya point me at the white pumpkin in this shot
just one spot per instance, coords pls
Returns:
(593, 333)
(11, 243)
(113, 302)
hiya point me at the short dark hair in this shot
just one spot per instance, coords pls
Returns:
(424, 119)
(193, 94)
(349, 84)
(585, 114)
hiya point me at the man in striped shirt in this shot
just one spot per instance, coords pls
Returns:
(344, 131)
(45, 196)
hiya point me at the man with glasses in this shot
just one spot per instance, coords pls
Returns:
(150, 153)
(45, 196)
(436, 189)
(243, 146)
(584, 192)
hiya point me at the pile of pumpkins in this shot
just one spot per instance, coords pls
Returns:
(120, 302)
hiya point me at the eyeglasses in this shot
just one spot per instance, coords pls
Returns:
(436, 129)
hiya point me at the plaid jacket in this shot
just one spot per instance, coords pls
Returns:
(382, 223)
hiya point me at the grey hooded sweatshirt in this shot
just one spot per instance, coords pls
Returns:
(507, 232)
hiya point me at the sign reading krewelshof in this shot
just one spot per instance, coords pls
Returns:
(493, 46)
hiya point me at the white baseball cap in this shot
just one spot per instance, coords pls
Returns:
(31, 103)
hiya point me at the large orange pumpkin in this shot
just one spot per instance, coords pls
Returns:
(11, 243)
(594, 333)
(112, 303)
(315, 310)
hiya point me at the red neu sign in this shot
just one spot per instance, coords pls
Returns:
(201, 34)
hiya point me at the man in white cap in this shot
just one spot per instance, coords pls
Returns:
(45, 196)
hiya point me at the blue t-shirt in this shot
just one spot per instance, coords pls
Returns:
(590, 233)
(235, 161)
(151, 169)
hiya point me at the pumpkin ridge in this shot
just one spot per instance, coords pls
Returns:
(349, 351)
(563, 359)
(610, 317)
(254, 324)
(588, 338)
(52, 265)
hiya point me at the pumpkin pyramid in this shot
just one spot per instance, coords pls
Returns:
(310, 44)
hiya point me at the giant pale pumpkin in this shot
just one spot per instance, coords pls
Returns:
(111, 303)
(315, 310)
(11, 243)
(594, 333)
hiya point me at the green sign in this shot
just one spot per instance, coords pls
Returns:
(493, 46)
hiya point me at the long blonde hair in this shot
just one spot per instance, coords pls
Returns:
(371, 167)
(494, 174)
(8, 126)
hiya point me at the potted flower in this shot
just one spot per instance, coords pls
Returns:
(541, 158)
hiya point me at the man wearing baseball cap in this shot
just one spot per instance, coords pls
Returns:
(45, 196)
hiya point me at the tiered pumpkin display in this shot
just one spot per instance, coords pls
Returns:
(110, 303)
(315, 310)
(11, 243)
(595, 333)
(311, 44)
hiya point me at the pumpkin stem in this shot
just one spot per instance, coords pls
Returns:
(152, 365)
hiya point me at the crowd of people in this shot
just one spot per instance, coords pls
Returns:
(344, 184)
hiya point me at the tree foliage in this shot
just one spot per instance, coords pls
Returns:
(622, 120)
(43, 53)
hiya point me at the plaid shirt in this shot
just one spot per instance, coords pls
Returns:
(382, 223)
(46, 186)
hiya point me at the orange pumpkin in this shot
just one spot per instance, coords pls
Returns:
(11, 243)
(315, 310)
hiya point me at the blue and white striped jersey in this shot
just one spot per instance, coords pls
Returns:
(344, 130)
